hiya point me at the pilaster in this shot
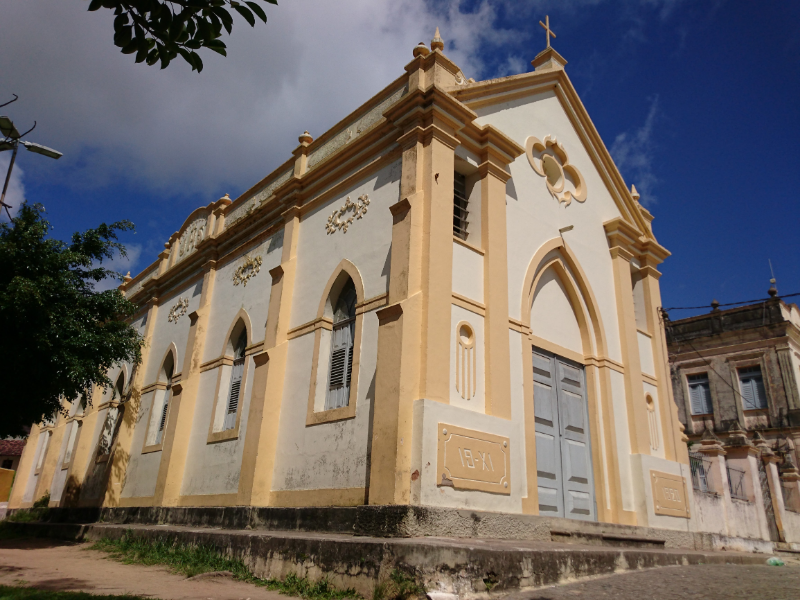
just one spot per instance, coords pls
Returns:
(122, 449)
(620, 238)
(261, 442)
(788, 377)
(184, 396)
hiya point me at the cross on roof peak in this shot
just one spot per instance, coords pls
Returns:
(546, 26)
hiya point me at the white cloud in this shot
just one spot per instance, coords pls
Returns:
(15, 194)
(181, 132)
(633, 153)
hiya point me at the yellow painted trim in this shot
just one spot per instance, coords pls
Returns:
(310, 327)
(469, 304)
(321, 497)
(136, 501)
(557, 349)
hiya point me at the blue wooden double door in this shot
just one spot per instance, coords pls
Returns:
(563, 445)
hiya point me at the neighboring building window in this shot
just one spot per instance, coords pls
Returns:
(237, 372)
(460, 203)
(700, 394)
(7, 464)
(752, 384)
(341, 366)
(169, 368)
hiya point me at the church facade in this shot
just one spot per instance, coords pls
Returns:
(448, 299)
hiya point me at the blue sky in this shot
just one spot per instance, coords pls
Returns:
(697, 101)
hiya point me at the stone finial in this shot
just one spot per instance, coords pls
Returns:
(437, 43)
(635, 194)
(714, 305)
(305, 138)
(789, 469)
(737, 435)
(127, 277)
(710, 443)
(759, 441)
(421, 50)
(772, 291)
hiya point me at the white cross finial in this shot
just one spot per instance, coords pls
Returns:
(546, 26)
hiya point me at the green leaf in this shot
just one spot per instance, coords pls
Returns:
(133, 46)
(95, 5)
(258, 10)
(123, 37)
(152, 57)
(248, 16)
(193, 44)
(275, 2)
(217, 46)
(225, 17)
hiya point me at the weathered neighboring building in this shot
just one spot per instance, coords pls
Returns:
(10, 453)
(739, 367)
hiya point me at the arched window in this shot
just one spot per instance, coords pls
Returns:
(110, 428)
(341, 365)
(237, 372)
(167, 371)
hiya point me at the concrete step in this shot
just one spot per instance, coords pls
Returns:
(467, 567)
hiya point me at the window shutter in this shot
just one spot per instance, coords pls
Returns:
(759, 392)
(748, 395)
(233, 397)
(341, 366)
(696, 393)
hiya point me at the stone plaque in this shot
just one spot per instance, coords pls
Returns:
(669, 494)
(473, 460)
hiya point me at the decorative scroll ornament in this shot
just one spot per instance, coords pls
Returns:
(177, 311)
(191, 237)
(247, 270)
(549, 159)
(359, 209)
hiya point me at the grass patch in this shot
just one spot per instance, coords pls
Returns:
(194, 560)
(27, 593)
(29, 515)
(399, 586)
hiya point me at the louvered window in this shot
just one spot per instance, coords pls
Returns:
(460, 203)
(341, 364)
(162, 421)
(700, 394)
(754, 396)
(237, 373)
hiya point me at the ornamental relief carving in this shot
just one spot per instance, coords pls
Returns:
(193, 235)
(177, 311)
(550, 160)
(358, 208)
(247, 270)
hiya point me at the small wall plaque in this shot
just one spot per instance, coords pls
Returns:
(473, 460)
(669, 494)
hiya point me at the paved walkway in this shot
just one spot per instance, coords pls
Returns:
(60, 566)
(706, 582)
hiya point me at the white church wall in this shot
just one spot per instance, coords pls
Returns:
(642, 465)
(228, 299)
(657, 443)
(467, 272)
(464, 358)
(367, 243)
(534, 216)
(166, 332)
(142, 472)
(329, 455)
(215, 468)
(646, 353)
(428, 414)
(623, 439)
(552, 316)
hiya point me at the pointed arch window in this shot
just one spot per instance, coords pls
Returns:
(341, 362)
(110, 428)
(237, 373)
(169, 368)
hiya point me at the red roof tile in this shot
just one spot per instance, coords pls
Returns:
(11, 447)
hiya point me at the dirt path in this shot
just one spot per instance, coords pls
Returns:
(61, 566)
